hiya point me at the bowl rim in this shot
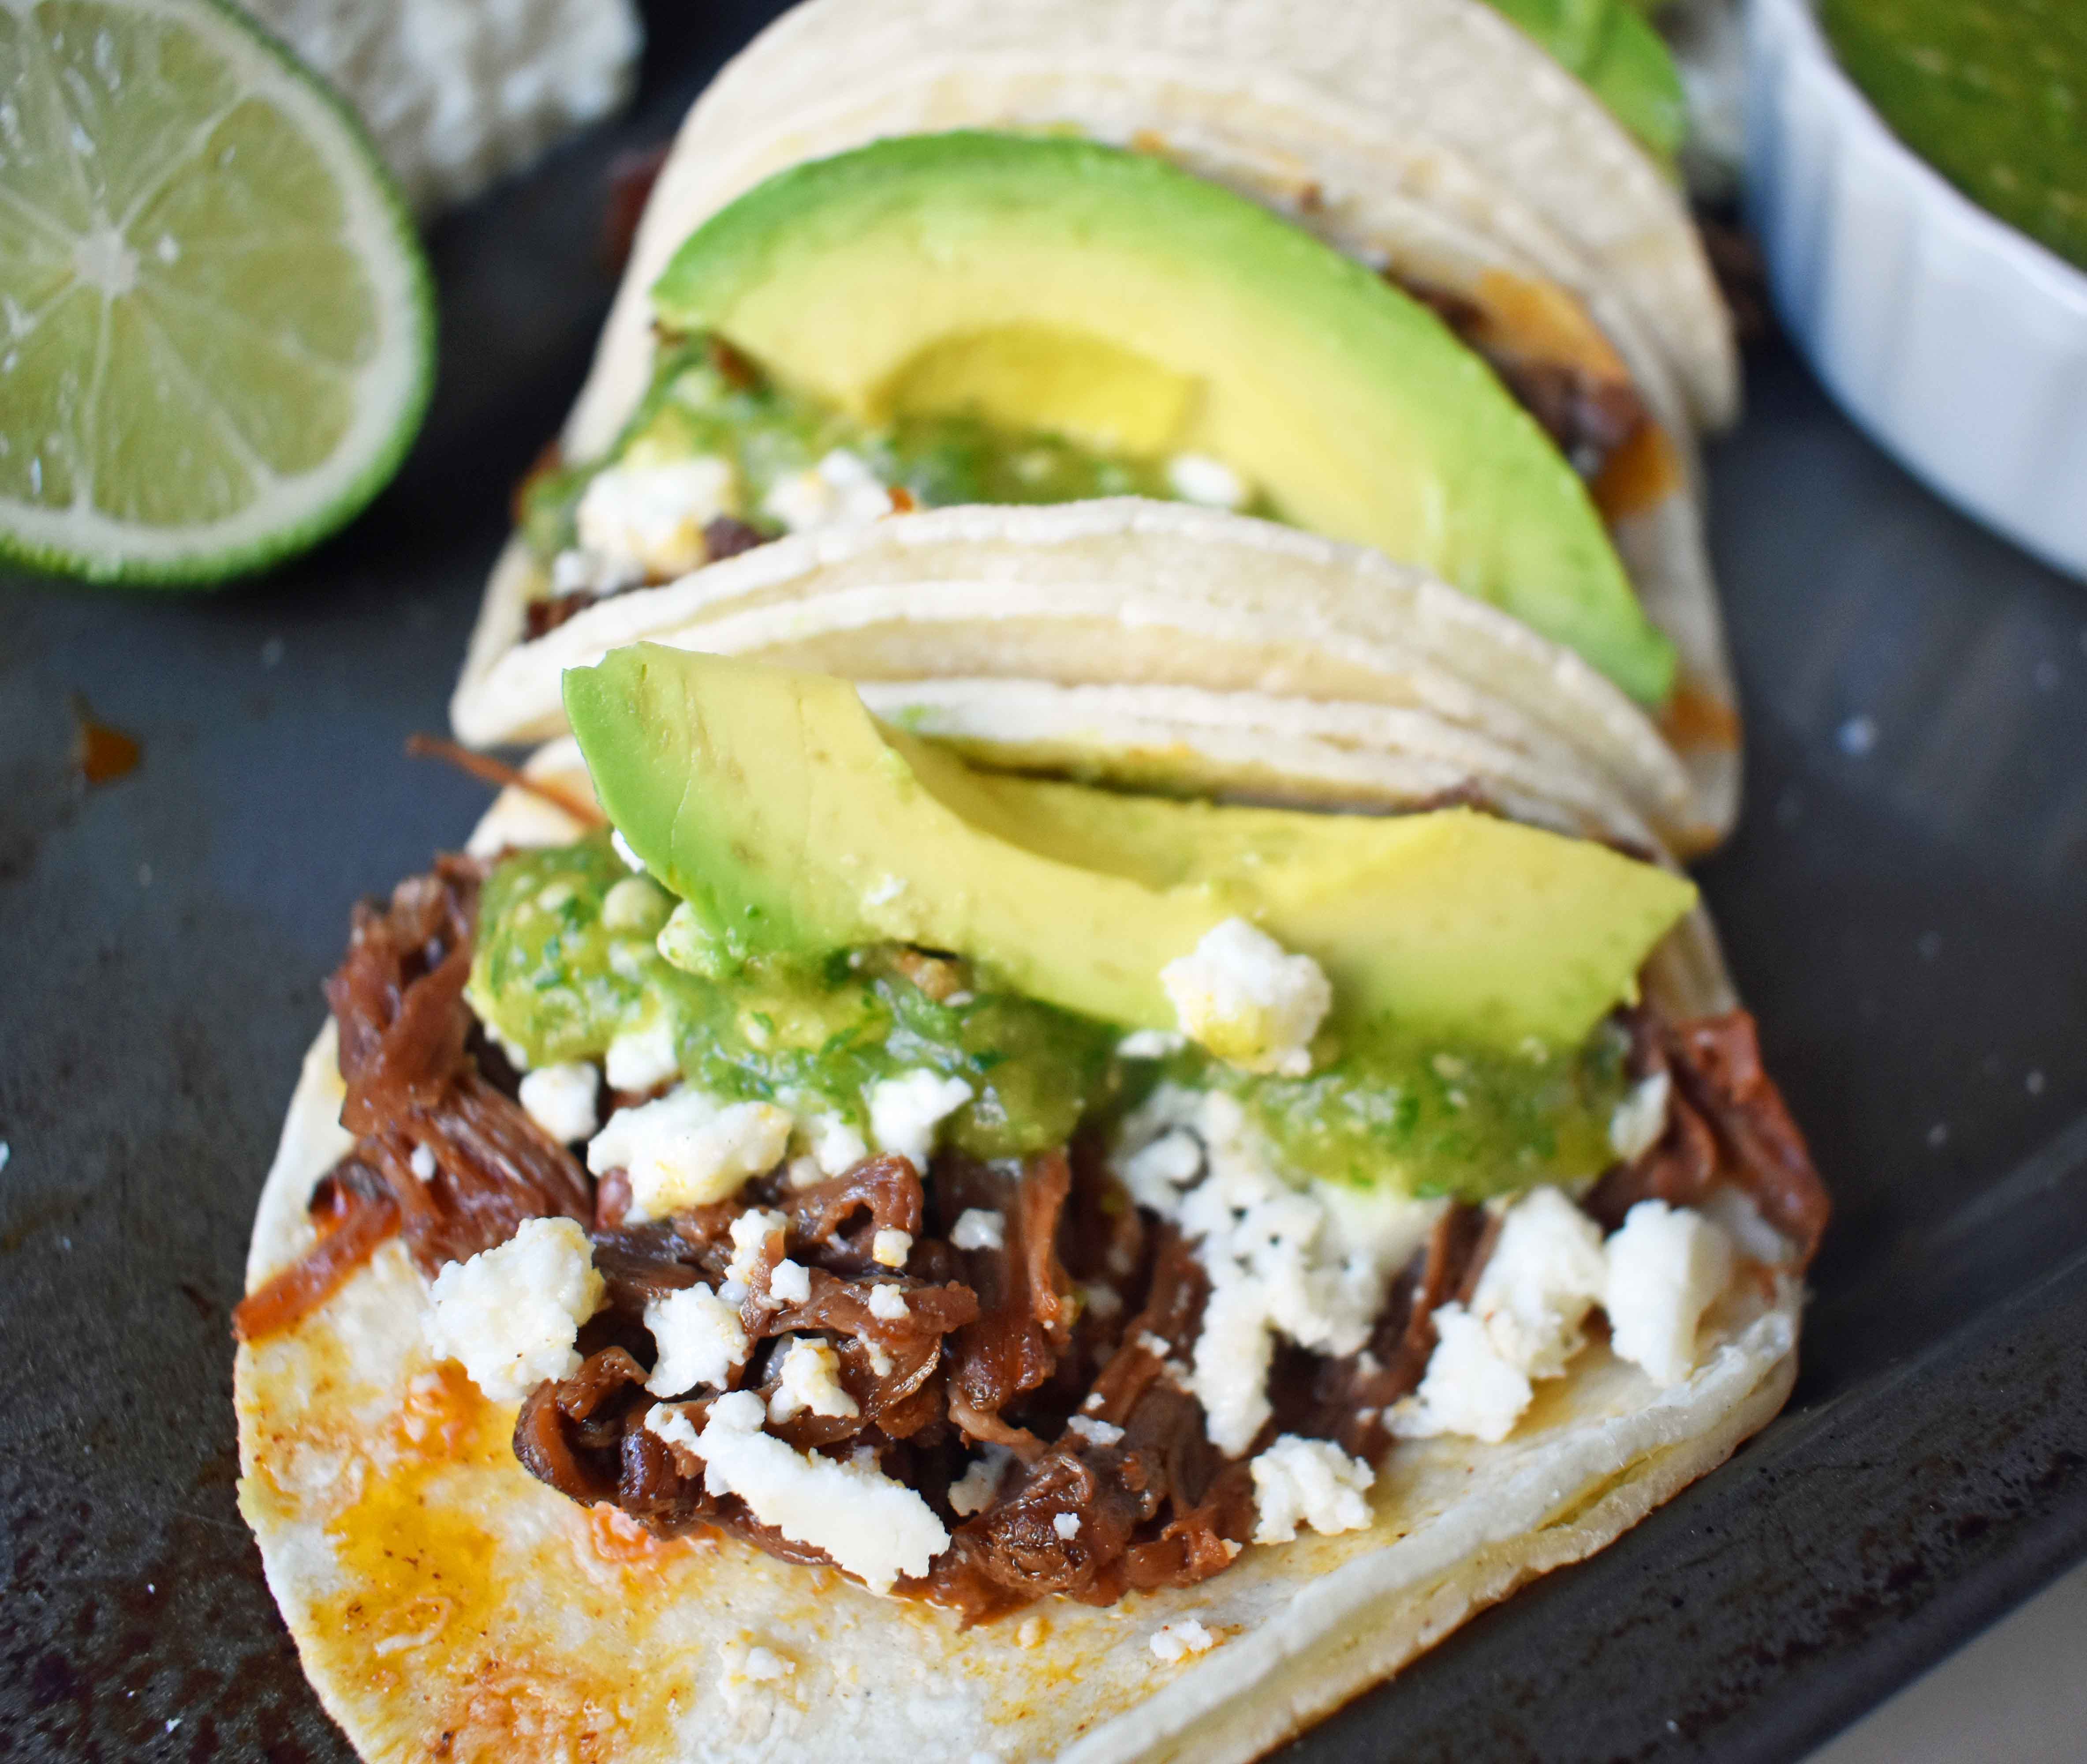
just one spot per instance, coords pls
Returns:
(2054, 276)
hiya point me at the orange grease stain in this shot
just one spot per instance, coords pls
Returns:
(616, 1537)
(1693, 719)
(1542, 322)
(1641, 474)
(103, 754)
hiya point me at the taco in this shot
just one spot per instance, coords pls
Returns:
(795, 1243)
(1108, 324)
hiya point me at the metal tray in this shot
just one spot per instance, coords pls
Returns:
(1905, 905)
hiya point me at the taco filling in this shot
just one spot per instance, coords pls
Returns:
(958, 1269)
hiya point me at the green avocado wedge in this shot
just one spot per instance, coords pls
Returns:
(1053, 283)
(791, 824)
(1613, 49)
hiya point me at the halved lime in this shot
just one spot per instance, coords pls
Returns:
(216, 328)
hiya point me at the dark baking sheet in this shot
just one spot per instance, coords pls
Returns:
(1905, 905)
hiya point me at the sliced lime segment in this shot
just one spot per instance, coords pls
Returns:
(216, 327)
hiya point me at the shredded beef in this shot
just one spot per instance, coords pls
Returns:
(724, 537)
(1726, 1122)
(412, 1086)
(585, 1435)
(1588, 416)
(545, 614)
(1025, 1317)
(1158, 1506)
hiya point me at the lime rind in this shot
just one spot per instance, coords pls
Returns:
(391, 393)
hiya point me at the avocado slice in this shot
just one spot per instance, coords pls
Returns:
(1052, 282)
(792, 824)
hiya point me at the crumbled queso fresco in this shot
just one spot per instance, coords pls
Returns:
(562, 1099)
(511, 1314)
(873, 1528)
(1655, 1277)
(700, 1338)
(1248, 1000)
(1312, 1482)
(1309, 1265)
(689, 1148)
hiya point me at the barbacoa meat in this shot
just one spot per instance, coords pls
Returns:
(1726, 1122)
(1588, 416)
(417, 1091)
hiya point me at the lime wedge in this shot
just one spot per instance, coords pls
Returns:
(216, 328)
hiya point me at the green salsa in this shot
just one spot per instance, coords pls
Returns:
(566, 961)
(1993, 94)
(552, 979)
(705, 401)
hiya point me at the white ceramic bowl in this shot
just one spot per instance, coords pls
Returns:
(1958, 343)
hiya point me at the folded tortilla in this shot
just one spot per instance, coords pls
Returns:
(1376, 126)
(1136, 595)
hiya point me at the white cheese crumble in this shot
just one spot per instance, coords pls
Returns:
(635, 904)
(1310, 1264)
(687, 1149)
(511, 1314)
(791, 1282)
(1196, 477)
(871, 1527)
(750, 1232)
(1066, 1525)
(1300, 1481)
(889, 1248)
(1171, 1162)
(1468, 1388)
(811, 1379)
(589, 572)
(980, 1228)
(422, 1163)
(700, 1338)
(1640, 1118)
(653, 516)
(1545, 1272)
(1248, 1000)
(1655, 1277)
(561, 1099)
(640, 1060)
(1093, 1431)
(888, 1304)
(1151, 1044)
(1665, 1266)
(1173, 1641)
(836, 1147)
(840, 491)
(973, 1492)
(905, 1111)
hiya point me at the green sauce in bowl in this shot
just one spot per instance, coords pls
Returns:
(1992, 93)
